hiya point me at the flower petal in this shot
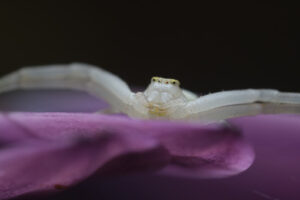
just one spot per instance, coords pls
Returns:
(209, 151)
(49, 157)
(60, 149)
(202, 151)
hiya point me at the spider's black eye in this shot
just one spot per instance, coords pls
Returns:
(153, 79)
(175, 82)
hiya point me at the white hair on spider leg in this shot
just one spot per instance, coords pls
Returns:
(163, 98)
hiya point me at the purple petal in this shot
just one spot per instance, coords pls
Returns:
(275, 173)
(210, 151)
(58, 150)
(275, 134)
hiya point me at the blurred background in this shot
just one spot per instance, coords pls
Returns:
(208, 46)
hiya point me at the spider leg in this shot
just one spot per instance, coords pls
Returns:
(227, 104)
(189, 95)
(251, 109)
(79, 76)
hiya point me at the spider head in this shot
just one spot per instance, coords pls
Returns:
(162, 91)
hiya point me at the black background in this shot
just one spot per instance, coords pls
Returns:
(208, 46)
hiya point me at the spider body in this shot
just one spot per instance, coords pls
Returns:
(163, 98)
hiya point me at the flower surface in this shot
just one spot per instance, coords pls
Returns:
(50, 151)
(44, 151)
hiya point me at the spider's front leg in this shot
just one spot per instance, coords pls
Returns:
(227, 104)
(79, 76)
(138, 107)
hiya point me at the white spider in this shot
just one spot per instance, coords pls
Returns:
(163, 98)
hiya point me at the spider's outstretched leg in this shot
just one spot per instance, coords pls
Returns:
(189, 95)
(91, 79)
(227, 104)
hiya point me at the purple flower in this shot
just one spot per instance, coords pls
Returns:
(44, 152)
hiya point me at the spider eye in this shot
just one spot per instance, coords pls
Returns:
(155, 79)
(175, 82)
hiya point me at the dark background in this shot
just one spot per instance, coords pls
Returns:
(208, 46)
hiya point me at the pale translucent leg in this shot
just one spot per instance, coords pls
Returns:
(227, 112)
(189, 95)
(94, 80)
(238, 97)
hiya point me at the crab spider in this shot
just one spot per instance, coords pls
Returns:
(163, 98)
